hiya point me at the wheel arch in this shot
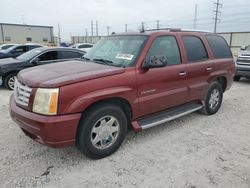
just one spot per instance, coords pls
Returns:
(223, 81)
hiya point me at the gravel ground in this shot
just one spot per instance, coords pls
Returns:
(193, 151)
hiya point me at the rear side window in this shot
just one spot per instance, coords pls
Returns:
(47, 56)
(195, 49)
(166, 46)
(219, 46)
(69, 54)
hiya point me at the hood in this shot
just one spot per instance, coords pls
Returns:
(244, 52)
(64, 73)
(8, 61)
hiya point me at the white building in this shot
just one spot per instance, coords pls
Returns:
(18, 33)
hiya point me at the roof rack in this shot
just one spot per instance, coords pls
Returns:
(176, 30)
(164, 29)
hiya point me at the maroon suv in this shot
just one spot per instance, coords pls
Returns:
(131, 80)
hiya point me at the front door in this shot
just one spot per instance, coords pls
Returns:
(165, 87)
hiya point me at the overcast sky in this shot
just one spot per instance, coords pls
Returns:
(75, 16)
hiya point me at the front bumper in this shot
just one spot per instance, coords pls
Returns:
(54, 131)
(242, 70)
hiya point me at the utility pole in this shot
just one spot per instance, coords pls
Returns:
(92, 28)
(96, 27)
(92, 31)
(158, 24)
(126, 28)
(195, 16)
(217, 12)
(142, 27)
(59, 34)
(86, 35)
(108, 30)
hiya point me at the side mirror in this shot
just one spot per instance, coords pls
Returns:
(155, 62)
(243, 47)
(36, 61)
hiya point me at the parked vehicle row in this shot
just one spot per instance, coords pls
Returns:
(17, 50)
(243, 64)
(131, 80)
(9, 67)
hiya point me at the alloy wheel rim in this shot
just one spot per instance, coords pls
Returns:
(105, 132)
(11, 82)
(214, 99)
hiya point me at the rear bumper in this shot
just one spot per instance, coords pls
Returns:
(54, 131)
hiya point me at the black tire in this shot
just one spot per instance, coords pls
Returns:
(8, 81)
(237, 78)
(207, 109)
(89, 120)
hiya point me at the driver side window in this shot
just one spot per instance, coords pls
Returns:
(48, 56)
(165, 46)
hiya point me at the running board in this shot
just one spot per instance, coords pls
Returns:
(168, 115)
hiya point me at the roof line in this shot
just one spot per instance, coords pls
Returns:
(26, 25)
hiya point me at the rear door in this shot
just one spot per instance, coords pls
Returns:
(165, 87)
(199, 66)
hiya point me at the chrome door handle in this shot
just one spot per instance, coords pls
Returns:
(209, 68)
(182, 73)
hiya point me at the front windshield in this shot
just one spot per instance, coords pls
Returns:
(29, 55)
(117, 50)
(9, 49)
(248, 48)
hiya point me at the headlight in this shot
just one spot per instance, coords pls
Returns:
(46, 101)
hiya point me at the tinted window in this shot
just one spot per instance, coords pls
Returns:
(20, 49)
(195, 49)
(69, 54)
(85, 46)
(219, 46)
(166, 46)
(52, 55)
(32, 47)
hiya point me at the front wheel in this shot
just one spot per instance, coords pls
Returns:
(101, 131)
(9, 81)
(213, 99)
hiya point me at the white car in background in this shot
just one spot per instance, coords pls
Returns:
(83, 46)
(6, 46)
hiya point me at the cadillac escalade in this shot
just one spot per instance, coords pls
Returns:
(127, 81)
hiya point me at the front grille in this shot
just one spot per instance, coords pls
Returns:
(243, 61)
(22, 93)
(245, 54)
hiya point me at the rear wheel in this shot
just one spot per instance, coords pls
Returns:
(236, 78)
(213, 99)
(9, 81)
(101, 131)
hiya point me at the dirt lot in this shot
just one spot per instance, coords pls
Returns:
(194, 151)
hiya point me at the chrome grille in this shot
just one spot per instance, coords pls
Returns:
(22, 93)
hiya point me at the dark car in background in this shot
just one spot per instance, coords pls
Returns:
(6, 46)
(9, 67)
(17, 50)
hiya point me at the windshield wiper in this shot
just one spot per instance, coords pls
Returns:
(105, 61)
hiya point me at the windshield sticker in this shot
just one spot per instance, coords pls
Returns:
(125, 56)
